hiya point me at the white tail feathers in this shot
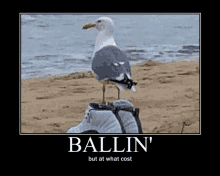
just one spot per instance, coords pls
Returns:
(121, 88)
(133, 88)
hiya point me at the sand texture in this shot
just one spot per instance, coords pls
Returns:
(167, 95)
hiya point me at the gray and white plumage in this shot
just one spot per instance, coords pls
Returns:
(109, 63)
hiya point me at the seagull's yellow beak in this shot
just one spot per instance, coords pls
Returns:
(89, 25)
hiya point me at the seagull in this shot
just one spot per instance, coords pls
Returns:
(109, 64)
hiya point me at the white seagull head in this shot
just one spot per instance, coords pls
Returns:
(102, 24)
(105, 28)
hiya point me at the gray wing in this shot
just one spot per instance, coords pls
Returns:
(110, 62)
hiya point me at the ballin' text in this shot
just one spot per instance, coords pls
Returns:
(91, 144)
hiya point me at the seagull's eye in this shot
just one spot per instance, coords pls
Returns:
(99, 21)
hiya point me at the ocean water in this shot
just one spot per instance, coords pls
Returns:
(55, 44)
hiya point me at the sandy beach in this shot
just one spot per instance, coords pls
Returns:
(167, 95)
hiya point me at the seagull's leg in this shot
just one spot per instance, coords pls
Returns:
(103, 89)
(118, 93)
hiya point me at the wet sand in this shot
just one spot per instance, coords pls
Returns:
(167, 95)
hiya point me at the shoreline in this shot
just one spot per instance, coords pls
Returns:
(167, 95)
(133, 64)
